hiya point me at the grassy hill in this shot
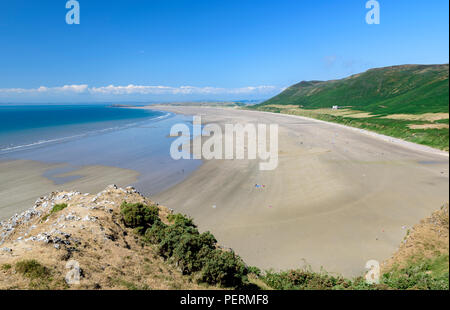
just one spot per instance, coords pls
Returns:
(402, 89)
(409, 102)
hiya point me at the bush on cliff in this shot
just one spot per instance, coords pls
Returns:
(139, 216)
(192, 250)
(179, 219)
(181, 242)
(224, 268)
(156, 233)
(304, 280)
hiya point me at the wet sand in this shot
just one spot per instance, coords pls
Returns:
(338, 198)
(23, 181)
(137, 155)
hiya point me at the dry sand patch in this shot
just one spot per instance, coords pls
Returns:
(430, 117)
(428, 126)
(336, 112)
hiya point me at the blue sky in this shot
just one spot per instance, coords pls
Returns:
(204, 49)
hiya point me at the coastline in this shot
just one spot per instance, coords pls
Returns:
(131, 156)
(338, 198)
(385, 138)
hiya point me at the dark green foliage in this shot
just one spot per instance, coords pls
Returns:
(139, 216)
(32, 269)
(192, 251)
(172, 235)
(224, 268)
(156, 233)
(182, 244)
(304, 280)
(179, 219)
(254, 270)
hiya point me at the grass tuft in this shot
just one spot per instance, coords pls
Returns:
(32, 269)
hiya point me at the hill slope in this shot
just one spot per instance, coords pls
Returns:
(400, 89)
(82, 233)
(409, 102)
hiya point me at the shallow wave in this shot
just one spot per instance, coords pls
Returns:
(14, 148)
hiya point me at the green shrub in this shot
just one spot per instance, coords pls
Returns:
(32, 269)
(254, 270)
(139, 216)
(170, 238)
(192, 249)
(181, 243)
(225, 269)
(304, 280)
(155, 234)
(180, 219)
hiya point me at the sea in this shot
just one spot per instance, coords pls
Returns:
(96, 134)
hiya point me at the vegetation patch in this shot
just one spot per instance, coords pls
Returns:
(428, 274)
(224, 268)
(425, 274)
(32, 269)
(6, 266)
(56, 208)
(139, 216)
(300, 279)
(181, 243)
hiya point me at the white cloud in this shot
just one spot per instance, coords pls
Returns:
(184, 90)
(43, 89)
(143, 90)
(73, 88)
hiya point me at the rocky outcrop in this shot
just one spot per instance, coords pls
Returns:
(85, 240)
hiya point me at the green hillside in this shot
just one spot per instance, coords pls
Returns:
(401, 89)
(410, 102)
